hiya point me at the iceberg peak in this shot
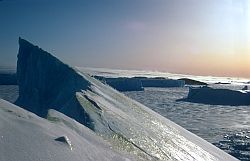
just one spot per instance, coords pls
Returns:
(47, 83)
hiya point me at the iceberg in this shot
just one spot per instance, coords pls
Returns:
(208, 95)
(161, 82)
(193, 82)
(50, 88)
(122, 83)
(138, 83)
(45, 82)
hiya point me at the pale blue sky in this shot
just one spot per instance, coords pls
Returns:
(204, 37)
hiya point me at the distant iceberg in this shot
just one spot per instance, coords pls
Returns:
(138, 83)
(161, 82)
(46, 83)
(208, 95)
(122, 83)
(192, 82)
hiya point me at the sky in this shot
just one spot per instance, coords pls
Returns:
(200, 37)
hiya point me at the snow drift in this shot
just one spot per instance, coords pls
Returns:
(213, 96)
(47, 83)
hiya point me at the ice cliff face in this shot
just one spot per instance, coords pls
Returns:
(47, 83)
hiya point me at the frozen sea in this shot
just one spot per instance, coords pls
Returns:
(227, 127)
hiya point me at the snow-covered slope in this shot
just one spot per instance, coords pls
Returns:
(46, 83)
(26, 137)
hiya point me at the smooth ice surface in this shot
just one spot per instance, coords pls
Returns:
(127, 125)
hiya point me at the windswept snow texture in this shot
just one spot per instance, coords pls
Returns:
(27, 137)
(129, 126)
(208, 95)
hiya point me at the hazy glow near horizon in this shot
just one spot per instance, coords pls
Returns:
(207, 37)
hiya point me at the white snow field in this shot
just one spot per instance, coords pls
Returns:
(129, 127)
